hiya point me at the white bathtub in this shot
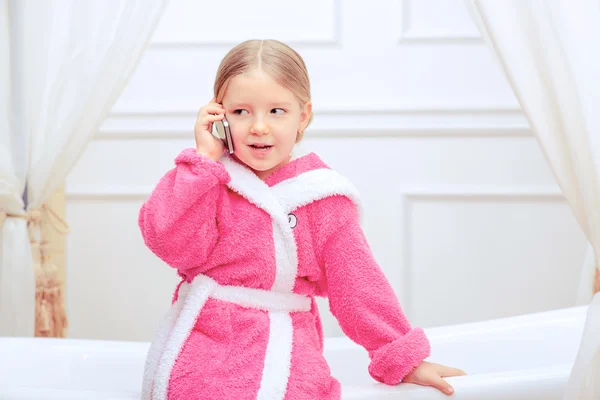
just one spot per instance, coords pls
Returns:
(526, 357)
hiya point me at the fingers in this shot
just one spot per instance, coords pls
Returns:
(449, 371)
(212, 118)
(443, 372)
(212, 108)
(208, 114)
(441, 385)
(432, 374)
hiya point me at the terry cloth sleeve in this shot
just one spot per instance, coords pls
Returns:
(361, 298)
(179, 220)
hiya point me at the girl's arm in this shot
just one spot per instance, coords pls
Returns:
(362, 299)
(179, 220)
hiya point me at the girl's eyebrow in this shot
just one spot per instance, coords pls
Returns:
(282, 104)
(236, 105)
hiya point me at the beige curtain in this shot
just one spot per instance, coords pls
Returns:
(49, 260)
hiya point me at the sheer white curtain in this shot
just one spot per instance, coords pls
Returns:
(16, 268)
(63, 64)
(550, 52)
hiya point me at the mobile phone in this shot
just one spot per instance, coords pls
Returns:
(220, 130)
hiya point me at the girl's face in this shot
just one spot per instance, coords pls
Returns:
(264, 118)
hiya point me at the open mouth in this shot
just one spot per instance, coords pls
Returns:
(261, 146)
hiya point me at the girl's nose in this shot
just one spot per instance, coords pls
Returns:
(259, 127)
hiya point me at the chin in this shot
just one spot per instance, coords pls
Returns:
(254, 164)
(262, 167)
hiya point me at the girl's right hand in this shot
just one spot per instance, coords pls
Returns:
(206, 143)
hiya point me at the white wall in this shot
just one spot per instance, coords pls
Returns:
(462, 212)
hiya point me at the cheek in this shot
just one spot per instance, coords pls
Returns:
(286, 141)
(238, 131)
(289, 127)
(282, 131)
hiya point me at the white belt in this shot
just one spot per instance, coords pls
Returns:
(179, 322)
(260, 299)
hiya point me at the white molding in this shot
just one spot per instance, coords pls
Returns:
(483, 192)
(411, 38)
(79, 192)
(334, 41)
(408, 35)
(451, 193)
(342, 122)
(76, 193)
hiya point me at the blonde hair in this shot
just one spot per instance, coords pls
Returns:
(278, 60)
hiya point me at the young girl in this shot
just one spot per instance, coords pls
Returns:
(255, 236)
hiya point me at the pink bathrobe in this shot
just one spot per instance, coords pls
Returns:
(252, 255)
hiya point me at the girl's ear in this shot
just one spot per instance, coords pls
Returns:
(305, 116)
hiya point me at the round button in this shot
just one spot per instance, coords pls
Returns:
(292, 220)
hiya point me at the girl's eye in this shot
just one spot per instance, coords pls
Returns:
(278, 111)
(240, 112)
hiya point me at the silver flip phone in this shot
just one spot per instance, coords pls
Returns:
(220, 130)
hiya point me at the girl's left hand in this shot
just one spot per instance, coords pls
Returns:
(431, 374)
